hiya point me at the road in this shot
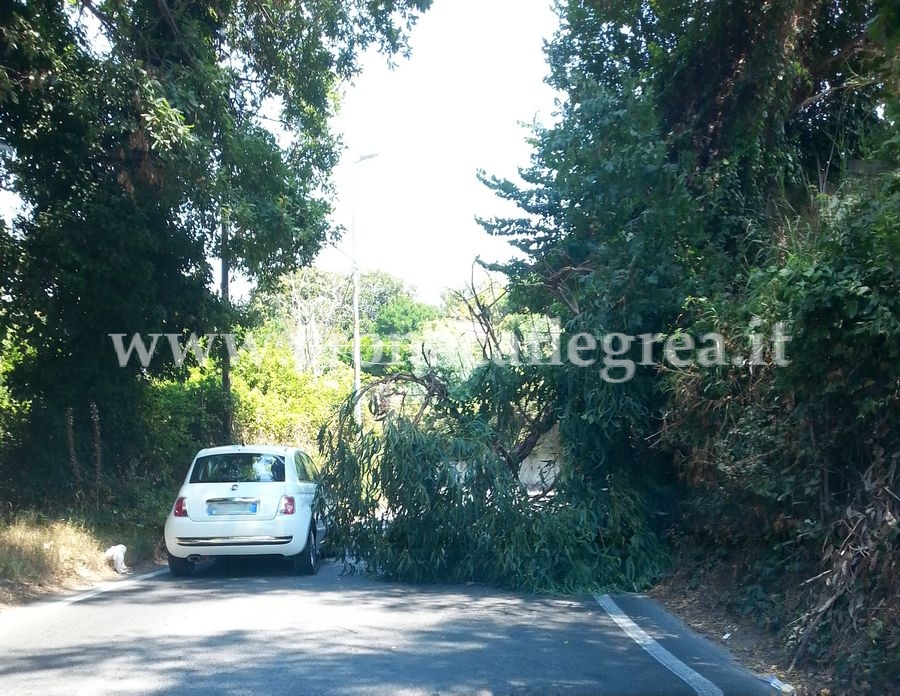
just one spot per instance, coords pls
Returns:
(253, 628)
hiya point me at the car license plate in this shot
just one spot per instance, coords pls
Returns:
(231, 508)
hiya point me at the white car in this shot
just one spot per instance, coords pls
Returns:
(245, 500)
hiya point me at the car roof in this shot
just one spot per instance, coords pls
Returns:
(258, 449)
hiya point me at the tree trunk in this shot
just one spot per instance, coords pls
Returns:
(227, 411)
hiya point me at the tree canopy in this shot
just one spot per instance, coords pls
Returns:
(134, 134)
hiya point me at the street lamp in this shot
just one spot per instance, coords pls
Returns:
(357, 376)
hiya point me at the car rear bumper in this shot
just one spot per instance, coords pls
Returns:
(234, 541)
(282, 536)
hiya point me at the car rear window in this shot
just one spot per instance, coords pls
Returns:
(238, 467)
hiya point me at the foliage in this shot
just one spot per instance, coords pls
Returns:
(180, 417)
(438, 503)
(135, 135)
(314, 308)
(398, 331)
(607, 234)
(276, 402)
(376, 290)
(450, 347)
(431, 491)
(674, 195)
(403, 315)
(279, 403)
(797, 457)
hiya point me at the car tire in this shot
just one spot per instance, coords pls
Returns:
(307, 561)
(180, 567)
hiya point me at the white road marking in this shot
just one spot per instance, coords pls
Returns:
(12, 615)
(700, 684)
(108, 587)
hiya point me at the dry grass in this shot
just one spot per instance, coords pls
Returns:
(37, 555)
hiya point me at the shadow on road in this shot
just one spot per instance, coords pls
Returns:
(252, 627)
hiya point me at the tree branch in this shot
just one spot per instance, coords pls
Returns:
(104, 18)
(169, 18)
(850, 84)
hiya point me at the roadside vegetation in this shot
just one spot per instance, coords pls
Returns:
(291, 373)
(723, 168)
(36, 553)
(717, 168)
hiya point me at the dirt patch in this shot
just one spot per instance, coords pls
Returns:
(699, 597)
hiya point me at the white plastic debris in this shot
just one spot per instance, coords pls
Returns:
(777, 684)
(116, 554)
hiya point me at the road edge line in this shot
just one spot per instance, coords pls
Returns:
(108, 587)
(700, 684)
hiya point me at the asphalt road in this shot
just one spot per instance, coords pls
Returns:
(253, 628)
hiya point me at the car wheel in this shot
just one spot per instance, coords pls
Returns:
(180, 567)
(307, 561)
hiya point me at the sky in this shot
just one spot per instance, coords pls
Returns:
(455, 106)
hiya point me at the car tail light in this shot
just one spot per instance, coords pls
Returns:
(180, 508)
(287, 505)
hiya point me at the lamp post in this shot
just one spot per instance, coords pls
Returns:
(357, 376)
